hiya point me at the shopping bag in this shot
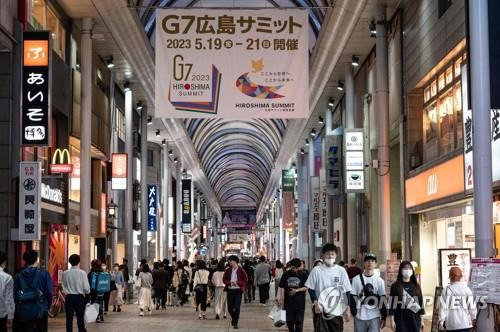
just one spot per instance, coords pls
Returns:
(91, 312)
(273, 311)
(137, 283)
(279, 318)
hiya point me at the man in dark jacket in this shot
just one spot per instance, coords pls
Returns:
(169, 268)
(161, 283)
(43, 284)
(236, 280)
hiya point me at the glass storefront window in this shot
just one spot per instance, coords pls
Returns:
(38, 14)
(120, 124)
(74, 180)
(446, 124)
(431, 129)
(43, 17)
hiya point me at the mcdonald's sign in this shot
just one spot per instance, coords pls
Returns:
(58, 164)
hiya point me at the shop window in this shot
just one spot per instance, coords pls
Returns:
(43, 17)
(74, 179)
(120, 124)
(38, 14)
(150, 158)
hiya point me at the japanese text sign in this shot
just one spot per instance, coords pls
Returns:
(186, 206)
(152, 208)
(36, 89)
(232, 63)
(288, 180)
(119, 162)
(102, 226)
(29, 201)
(354, 160)
(315, 208)
(333, 164)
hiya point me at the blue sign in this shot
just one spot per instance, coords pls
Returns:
(152, 208)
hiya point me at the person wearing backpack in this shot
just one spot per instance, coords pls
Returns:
(181, 282)
(7, 305)
(98, 281)
(33, 296)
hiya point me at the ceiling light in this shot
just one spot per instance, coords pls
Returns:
(175, 160)
(109, 62)
(340, 85)
(313, 133)
(126, 86)
(373, 28)
(294, 165)
(164, 142)
(150, 120)
(307, 142)
(139, 105)
(355, 60)
(331, 101)
(302, 151)
(320, 120)
(158, 133)
(170, 153)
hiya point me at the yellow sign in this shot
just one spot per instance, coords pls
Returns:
(59, 165)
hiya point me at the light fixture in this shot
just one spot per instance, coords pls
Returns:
(320, 120)
(331, 101)
(373, 29)
(340, 85)
(307, 142)
(302, 151)
(139, 105)
(158, 133)
(109, 62)
(294, 165)
(355, 60)
(164, 142)
(150, 120)
(112, 209)
(126, 86)
(170, 153)
(175, 160)
(313, 132)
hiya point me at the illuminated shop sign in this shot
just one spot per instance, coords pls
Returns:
(29, 200)
(61, 162)
(119, 163)
(186, 206)
(152, 208)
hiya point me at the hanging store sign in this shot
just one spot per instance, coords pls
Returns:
(288, 180)
(315, 210)
(61, 162)
(119, 163)
(152, 208)
(186, 206)
(223, 63)
(324, 201)
(102, 225)
(35, 119)
(333, 164)
(29, 200)
(354, 160)
(288, 204)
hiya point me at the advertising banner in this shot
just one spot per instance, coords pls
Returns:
(288, 204)
(324, 201)
(239, 217)
(152, 208)
(333, 164)
(186, 206)
(226, 63)
(102, 226)
(119, 171)
(35, 119)
(315, 209)
(29, 200)
(288, 180)
(354, 160)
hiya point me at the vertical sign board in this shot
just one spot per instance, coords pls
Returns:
(35, 119)
(333, 164)
(186, 206)
(30, 200)
(288, 206)
(152, 208)
(314, 215)
(119, 162)
(102, 227)
(324, 200)
(354, 160)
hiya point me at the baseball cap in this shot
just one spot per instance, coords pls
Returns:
(370, 256)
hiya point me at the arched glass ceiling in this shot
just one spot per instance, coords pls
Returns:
(146, 9)
(237, 156)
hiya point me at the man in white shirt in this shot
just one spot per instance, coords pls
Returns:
(368, 291)
(457, 311)
(75, 286)
(7, 304)
(329, 289)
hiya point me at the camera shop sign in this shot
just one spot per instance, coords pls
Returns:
(354, 160)
(29, 200)
(35, 117)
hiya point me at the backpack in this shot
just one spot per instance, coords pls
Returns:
(184, 277)
(100, 282)
(30, 300)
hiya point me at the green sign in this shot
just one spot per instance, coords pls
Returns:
(288, 180)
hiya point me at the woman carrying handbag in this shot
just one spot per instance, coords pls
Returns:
(200, 286)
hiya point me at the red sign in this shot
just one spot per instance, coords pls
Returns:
(119, 163)
(288, 210)
(102, 227)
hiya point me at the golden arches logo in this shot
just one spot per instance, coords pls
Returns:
(59, 166)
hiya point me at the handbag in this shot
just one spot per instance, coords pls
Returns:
(137, 283)
(91, 312)
(273, 311)
(279, 318)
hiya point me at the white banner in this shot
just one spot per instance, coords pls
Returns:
(29, 200)
(232, 63)
(315, 207)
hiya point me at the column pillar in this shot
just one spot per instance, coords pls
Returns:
(328, 131)
(311, 173)
(129, 150)
(383, 150)
(303, 199)
(113, 149)
(85, 142)
(166, 194)
(144, 183)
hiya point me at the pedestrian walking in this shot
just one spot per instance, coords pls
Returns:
(126, 276)
(107, 294)
(329, 289)
(161, 283)
(146, 281)
(32, 295)
(247, 266)
(7, 305)
(118, 280)
(406, 303)
(278, 272)
(293, 284)
(181, 283)
(353, 269)
(235, 279)
(457, 311)
(220, 294)
(263, 280)
(76, 286)
(200, 284)
(368, 298)
(96, 292)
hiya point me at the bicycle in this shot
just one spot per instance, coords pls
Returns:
(58, 301)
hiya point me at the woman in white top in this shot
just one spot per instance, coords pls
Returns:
(278, 272)
(220, 295)
(200, 286)
(146, 280)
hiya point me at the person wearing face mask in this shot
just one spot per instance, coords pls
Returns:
(406, 301)
(117, 285)
(457, 311)
(329, 289)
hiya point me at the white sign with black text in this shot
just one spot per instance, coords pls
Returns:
(354, 160)
(29, 200)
